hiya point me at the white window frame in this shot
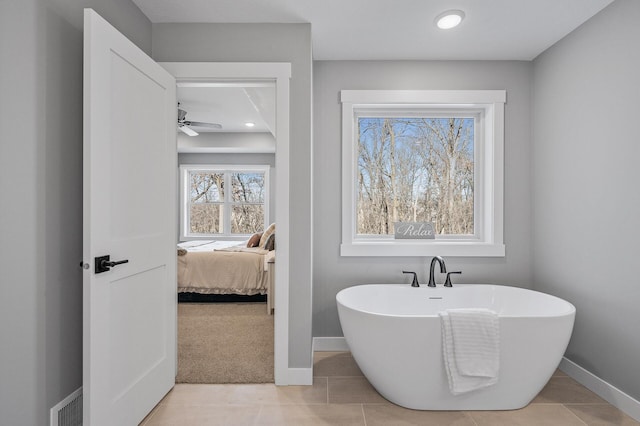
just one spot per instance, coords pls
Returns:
(185, 169)
(488, 107)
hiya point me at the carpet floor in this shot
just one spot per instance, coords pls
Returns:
(224, 343)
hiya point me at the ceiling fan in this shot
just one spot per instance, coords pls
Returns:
(185, 125)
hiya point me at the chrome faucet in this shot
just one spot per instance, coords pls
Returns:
(443, 269)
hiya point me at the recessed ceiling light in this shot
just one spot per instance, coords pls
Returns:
(449, 19)
(249, 124)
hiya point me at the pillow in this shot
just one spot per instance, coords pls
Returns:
(254, 240)
(270, 230)
(270, 244)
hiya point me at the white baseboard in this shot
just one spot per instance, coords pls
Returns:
(606, 391)
(330, 344)
(300, 376)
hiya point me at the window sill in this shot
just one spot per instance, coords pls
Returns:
(422, 248)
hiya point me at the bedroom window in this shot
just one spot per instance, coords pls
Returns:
(419, 156)
(223, 201)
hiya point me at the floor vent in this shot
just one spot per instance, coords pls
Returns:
(68, 412)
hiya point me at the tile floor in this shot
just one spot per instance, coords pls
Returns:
(340, 395)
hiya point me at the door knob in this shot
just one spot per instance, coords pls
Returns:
(104, 263)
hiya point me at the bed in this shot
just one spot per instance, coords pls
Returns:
(224, 267)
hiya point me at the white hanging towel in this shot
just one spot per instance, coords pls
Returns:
(471, 348)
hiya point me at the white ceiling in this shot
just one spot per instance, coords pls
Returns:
(371, 30)
(231, 106)
(400, 29)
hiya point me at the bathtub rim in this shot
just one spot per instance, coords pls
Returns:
(571, 309)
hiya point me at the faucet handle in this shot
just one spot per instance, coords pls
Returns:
(447, 281)
(414, 283)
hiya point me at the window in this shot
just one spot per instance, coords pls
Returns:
(223, 201)
(422, 156)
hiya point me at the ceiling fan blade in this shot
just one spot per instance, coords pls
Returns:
(201, 124)
(187, 130)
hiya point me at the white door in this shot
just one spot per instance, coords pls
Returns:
(129, 319)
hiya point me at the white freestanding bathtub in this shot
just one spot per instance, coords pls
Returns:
(393, 332)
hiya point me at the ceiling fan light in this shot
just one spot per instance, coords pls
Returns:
(187, 130)
(449, 19)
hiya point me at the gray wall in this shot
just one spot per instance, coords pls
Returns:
(586, 201)
(41, 193)
(241, 159)
(331, 273)
(267, 43)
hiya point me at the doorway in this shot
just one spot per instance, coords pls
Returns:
(278, 74)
